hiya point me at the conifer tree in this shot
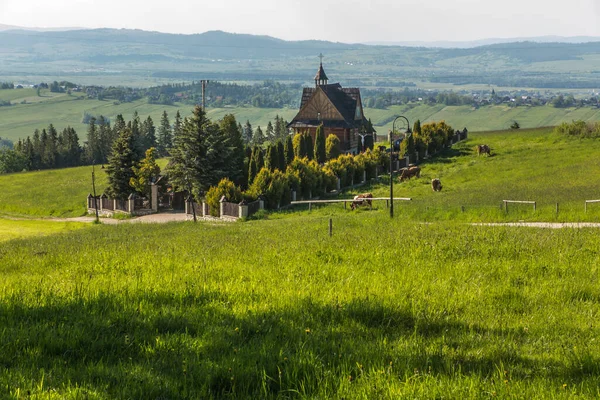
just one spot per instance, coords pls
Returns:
(248, 133)
(258, 137)
(270, 132)
(235, 150)
(165, 136)
(332, 147)
(148, 134)
(50, 145)
(120, 166)
(320, 154)
(310, 148)
(288, 148)
(272, 159)
(259, 157)
(105, 140)
(281, 156)
(177, 127)
(197, 157)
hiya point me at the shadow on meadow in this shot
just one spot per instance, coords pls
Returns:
(161, 345)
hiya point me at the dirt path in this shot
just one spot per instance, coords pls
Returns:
(148, 219)
(545, 225)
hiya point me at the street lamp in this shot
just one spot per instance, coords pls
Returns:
(406, 136)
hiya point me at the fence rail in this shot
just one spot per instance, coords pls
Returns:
(231, 209)
(590, 201)
(519, 202)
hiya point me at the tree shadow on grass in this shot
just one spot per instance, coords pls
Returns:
(192, 345)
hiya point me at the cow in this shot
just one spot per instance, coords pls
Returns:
(409, 172)
(358, 200)
(436, 185)
(483, 149)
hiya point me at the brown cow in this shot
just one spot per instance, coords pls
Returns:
(408, 173)
(436, 185)
(483, 149)
(358, 202)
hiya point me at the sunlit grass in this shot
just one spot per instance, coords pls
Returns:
(264, 309)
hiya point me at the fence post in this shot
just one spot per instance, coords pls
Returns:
(506, 206)
(330, 227)
(293, 195)
(154, 197)
(102, 198)
(407, 161)
(243, 209)
(364, 179)
(115, 204)
(205, 211)
(338, 184)
(261, 202)
(222, 206)
(89, 200)
(131, 203)
(534, 206)
(556, 208)
(585, 207)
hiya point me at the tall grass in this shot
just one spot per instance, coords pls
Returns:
(268, 309)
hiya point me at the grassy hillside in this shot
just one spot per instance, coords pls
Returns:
(56, 193)
(424, 311)
(20, 120)
(534, 165)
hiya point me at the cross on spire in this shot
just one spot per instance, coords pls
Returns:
(321, 57)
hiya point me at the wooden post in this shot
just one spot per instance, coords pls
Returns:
(585, 207)
(387, 204)
(309, 206)
(462, 208)
(506, 206)
(331, 226)
(557, 208)
(345, 204)
(534, 206)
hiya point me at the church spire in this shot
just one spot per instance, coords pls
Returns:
(321, 78)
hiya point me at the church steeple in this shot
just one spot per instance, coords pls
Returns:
(321, 78)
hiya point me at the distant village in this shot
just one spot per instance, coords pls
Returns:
(271, 94)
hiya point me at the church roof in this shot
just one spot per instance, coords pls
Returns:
(321, 74)
(345, 101)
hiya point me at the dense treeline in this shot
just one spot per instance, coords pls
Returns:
(48, 148)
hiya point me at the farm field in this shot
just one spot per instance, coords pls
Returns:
(62, 110)
(277, 308)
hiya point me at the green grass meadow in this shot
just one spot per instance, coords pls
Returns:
(278, 309)
(425, 305)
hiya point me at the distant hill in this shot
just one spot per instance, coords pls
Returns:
(123, 56)
(486, 42)
(4, 27)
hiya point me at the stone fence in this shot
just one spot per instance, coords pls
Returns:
(227, 210)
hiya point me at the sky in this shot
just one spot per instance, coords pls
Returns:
(350, 21)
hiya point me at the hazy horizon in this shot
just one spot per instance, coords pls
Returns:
(352, 21)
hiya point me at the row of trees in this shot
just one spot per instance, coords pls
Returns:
(48, 148)
(432, 137)
(257, 137)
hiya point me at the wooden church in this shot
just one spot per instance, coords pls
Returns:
(338, 109)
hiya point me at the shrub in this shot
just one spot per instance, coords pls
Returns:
(579, 128)
(225, 188)
(308, 174)
(274, 186)
(332, 147)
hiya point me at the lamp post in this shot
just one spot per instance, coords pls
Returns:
(94, 189)
(408, 133)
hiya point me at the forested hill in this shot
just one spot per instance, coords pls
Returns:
(133, 55)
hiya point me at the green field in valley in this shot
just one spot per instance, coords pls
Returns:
(20, 120)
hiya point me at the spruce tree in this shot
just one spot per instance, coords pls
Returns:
(259, 158)
(258, 138)
(281, 156)
(272, 159)
(120, 166)
(248, 132)
(197, 157)
(105, 139)
(288, 148)
(310, 148)
(148, 134)
(93, 143)
(270, 132)
(235, 152)
(50, 145)
(165, 136)
(320, 154)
